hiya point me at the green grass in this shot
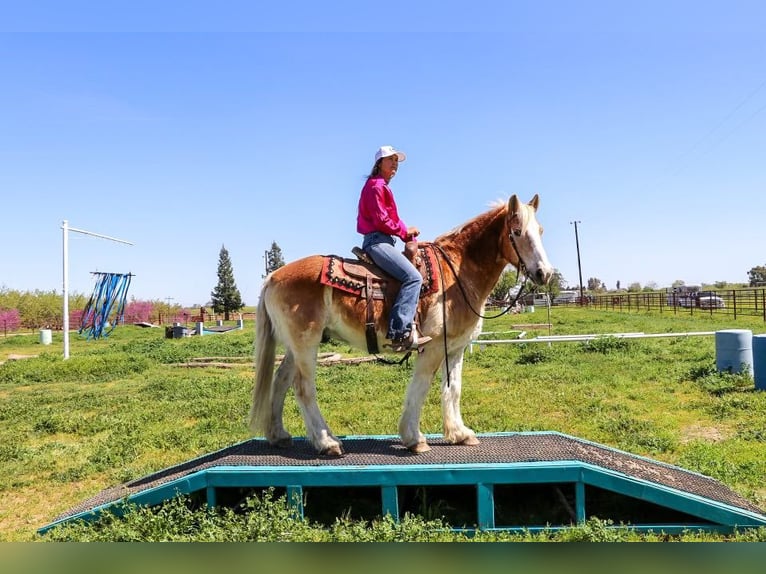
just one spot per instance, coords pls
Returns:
(122, 408)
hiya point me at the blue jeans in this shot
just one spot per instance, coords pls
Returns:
(382, 249)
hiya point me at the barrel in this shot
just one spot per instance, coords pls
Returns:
(734, 350)
(759, 361)
(46, 336)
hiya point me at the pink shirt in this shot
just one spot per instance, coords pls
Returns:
(377, 210)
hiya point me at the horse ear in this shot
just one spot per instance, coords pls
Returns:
(535, 202)
(513, 204)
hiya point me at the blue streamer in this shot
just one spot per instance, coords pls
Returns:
(108, 300)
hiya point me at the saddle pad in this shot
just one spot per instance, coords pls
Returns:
(350, 275)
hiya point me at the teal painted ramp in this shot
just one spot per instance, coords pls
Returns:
(510, 481)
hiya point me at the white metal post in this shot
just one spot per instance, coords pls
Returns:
(66, 229)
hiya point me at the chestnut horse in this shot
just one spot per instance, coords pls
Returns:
(296, 310)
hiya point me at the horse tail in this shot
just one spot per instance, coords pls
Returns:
(265, 353)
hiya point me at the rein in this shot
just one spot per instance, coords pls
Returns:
(522, 270)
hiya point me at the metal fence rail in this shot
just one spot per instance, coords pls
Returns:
(737, 302)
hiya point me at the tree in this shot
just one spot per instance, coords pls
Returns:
(596, 284)
(507, 280)
(138, 311)
(634, 287)
(757, 275)
(10, 320)
(274, 259)
(678, 283)
(618, 285)
(225, 297)
(555, 285)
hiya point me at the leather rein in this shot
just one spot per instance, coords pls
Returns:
(522, 271)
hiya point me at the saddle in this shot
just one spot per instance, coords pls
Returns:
(363, 278)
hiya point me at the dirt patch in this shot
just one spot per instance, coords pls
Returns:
(17, 357)
(699, 432)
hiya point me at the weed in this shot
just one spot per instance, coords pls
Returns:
(533, 356)
(605, 345)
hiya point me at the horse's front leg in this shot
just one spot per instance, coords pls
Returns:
(455, 430)
(409, 424)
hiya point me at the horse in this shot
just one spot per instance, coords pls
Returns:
(296, 310)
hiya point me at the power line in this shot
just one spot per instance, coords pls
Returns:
(718, 126)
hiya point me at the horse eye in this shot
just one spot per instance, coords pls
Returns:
(517, 232)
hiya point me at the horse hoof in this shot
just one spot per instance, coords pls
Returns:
(419, 448)
(285, 442)
(332, 451)
(470, 441)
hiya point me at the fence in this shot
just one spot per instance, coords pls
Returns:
(735, 302)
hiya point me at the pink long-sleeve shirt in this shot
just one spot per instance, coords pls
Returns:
(377, 210)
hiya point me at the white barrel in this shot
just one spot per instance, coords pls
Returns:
(734, 350)
(200, 328)
(46, 336)
(759, 361)
(219, 322)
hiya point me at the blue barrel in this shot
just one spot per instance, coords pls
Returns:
(734, 350)
(759, 361)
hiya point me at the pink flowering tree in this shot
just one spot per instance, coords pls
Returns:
(75, 318)
(10, 320)
(138, 311)
(182, 315)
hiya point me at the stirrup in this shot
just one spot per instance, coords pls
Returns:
(411, 343)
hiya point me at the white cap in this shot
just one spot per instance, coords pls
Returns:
(388, 150)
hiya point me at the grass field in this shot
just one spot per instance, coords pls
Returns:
(121, 408)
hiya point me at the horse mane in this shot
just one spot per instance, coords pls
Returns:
(482, 220)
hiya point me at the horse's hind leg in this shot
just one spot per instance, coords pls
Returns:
(276, 434)
(304, 384)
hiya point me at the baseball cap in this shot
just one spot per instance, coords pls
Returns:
(388, 150)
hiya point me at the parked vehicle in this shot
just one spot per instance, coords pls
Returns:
(565, 297)
(541, 299)
(683, 296)
(709, 300)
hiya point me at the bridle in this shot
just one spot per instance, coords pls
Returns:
(521, 272)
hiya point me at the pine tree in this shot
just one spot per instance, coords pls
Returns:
(225, 297)
(274, 259)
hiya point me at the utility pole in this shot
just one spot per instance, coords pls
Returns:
(579, 267)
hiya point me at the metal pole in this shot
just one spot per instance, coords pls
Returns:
(579, 267)
(65, 230)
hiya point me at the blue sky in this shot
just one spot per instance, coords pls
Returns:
(182, 127)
